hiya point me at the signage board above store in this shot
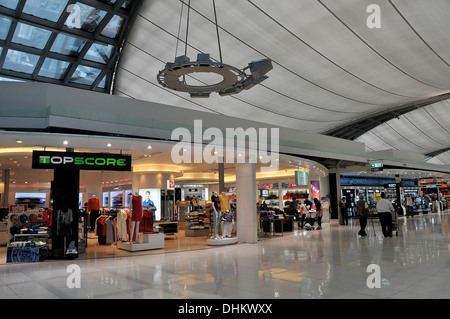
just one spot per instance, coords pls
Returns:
(81, 161)
(301, 178)
(376, 167)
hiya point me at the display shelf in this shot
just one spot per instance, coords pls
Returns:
(197, 223)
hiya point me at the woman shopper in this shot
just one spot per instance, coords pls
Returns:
(362, 210)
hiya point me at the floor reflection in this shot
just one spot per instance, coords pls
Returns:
(330, 263)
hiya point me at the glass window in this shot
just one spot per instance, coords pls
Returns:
(113, 27)
(45, 9)
(5, 23)
(52, 68)
(11, 4)
(85, 75)
(20, 61)
(99, 53)
(102, 83)
(67, 45)
(5, 79)
(31, 36)
(84, 17)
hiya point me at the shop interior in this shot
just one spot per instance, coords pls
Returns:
(179, 217)
(428, 190)
(178, 211)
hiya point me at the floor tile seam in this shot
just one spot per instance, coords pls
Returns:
(33, 291)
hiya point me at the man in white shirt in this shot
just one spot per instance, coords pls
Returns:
(384, 209)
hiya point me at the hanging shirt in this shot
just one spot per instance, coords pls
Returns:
(122, 229)
(109, 223)
(224, 202)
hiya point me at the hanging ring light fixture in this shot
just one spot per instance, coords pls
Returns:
(173, 76)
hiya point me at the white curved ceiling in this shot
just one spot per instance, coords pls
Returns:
(330, 68)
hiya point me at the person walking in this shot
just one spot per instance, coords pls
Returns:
(303, 210)
(319, 212)
(344, 211)
(409, 206)
(385, 209)
(362, 211)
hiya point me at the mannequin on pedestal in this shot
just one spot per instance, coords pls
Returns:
(227, 215)
(216, 206)
(136, 215)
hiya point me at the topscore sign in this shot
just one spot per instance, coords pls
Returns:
(81, 161)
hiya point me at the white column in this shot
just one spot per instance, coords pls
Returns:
(246, 202)
(325, 192)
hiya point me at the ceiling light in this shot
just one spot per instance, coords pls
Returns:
(149, 147)
(66, 142)
(109, 145)
(234, 80)
(19, 141)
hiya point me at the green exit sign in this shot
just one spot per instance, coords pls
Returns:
(375, 167)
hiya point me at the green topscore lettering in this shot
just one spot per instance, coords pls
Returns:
(99, 161)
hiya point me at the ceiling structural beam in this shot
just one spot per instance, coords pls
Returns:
(438, 152)
(355, 129)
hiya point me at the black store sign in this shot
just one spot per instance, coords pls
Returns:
(81, 161)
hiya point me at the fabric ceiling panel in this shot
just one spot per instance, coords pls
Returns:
(373, 142)
(329, 67)
(262, 34)
(431, 25)
(439, 112)
(333, 40)
(391, 134)
(416, 131)
(429, 126)
(405, 130)
(444, 158)
(436, 160)
(397, 42)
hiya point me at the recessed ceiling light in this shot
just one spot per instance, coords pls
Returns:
(109, 144)
(66, 142)
(149, 147)
(19, 141)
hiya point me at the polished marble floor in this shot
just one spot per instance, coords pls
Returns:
(329, 263)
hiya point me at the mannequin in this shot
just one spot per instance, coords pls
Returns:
(136, 215)
(93, 209)
(216, 206)
(227, 215)
(64, 220)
